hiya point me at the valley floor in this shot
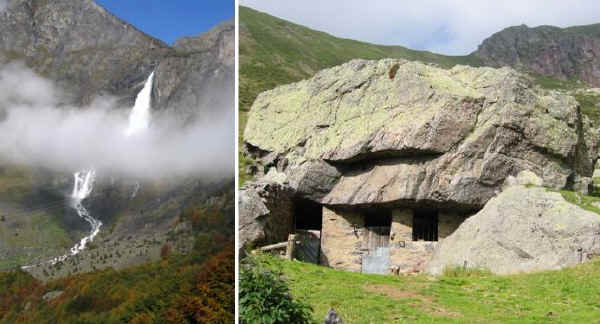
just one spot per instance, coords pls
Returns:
(565, 296)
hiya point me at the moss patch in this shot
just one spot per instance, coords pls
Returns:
(550, 83)
(589, 104)
(585, 202)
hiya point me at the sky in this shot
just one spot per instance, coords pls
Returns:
(170, 20)
(451, 27)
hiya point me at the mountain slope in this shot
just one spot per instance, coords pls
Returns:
(202, 65)
(563, 53)
(78, 44)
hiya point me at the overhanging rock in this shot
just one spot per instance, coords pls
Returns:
(356, 134)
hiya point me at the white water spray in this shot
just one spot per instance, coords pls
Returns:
(83, 184)
(139, 121)
(136, 189)
(139, 118)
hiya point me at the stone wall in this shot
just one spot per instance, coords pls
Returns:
(342, 237)
(406, 255)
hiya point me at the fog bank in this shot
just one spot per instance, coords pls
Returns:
(37, 130)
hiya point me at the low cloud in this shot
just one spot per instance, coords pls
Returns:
(36, 130)
(453, 27)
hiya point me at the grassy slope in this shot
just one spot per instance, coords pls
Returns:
(30, 217)
(275, 52)
(179, 287)
(566, 296)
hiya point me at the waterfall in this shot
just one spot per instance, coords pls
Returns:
(136, 189)
(139, 118)
(83, 184)
(82, 188)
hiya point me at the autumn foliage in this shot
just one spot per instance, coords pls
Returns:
(194, 288)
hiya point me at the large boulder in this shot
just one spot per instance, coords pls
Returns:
(399, 132)
(266, 213)
(525, 228)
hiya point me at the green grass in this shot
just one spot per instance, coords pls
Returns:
(583, 201)
(589, 104)
(550, 83)
(28, 236)
(565, 296)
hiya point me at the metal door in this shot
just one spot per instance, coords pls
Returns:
(377, 257)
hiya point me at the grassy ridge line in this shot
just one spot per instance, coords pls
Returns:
(274, 51)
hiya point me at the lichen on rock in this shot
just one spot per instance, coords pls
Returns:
(351, 135)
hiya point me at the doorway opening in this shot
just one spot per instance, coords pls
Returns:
(308, 215)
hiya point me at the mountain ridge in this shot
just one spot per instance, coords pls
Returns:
(562, 53)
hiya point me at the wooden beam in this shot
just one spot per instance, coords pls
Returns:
(274, 246)
(291, 246)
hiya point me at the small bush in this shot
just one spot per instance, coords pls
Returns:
(265, 297)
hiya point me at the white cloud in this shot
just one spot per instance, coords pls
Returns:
(453, 27)
(36, 130)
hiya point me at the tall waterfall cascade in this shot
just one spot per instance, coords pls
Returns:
(139, 118)
(83, 181)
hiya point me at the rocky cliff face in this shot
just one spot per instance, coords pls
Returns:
(79, 45)
(88, 52)
(198, 80)
(561, 53)
(399, 132)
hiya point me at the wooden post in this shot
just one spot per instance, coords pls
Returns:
(291, 245)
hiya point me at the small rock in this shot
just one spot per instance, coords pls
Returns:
(333, 317)
(527, 177)
(52, 295)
